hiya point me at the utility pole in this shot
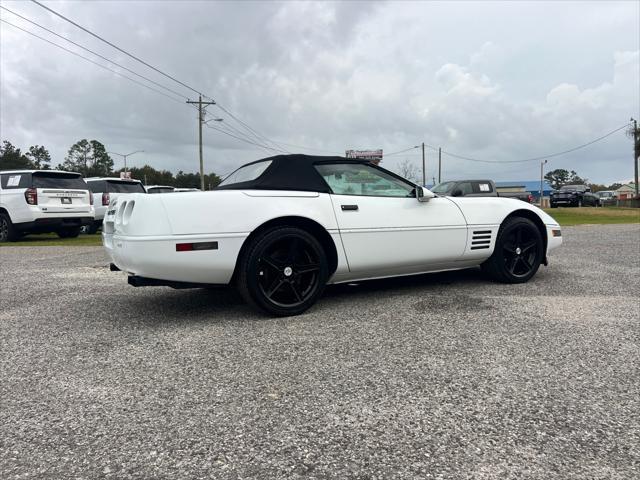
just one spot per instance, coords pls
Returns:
(439, 164)
(541, 184)
(424, 167)
(636, 153)
(201, 113)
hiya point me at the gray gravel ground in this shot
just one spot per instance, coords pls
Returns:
(436, 376)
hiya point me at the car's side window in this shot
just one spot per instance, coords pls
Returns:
(15, 180)
(466, 188)
(362, 179)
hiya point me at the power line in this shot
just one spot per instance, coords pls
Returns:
(116, 47)
(259, 136)
(533, 159)
(91, 61)
(94, 53)
(400, 151)
(242, 139)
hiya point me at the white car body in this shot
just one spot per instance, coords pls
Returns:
(59, 200)
(384, 237)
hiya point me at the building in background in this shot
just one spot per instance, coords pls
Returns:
(626, 192)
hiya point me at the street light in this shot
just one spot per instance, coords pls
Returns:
(541, 179)
(125, 157)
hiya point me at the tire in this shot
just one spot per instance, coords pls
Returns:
(71, 232)
(283, 271)
(518, 252)
(92, 229)
(579, 204)
(553, 205)
(7, 231)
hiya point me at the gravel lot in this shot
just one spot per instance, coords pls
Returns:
(436, 376)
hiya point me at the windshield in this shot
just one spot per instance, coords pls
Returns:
(443, 187)
(124, 187)
(246, 173)
(573, 187)
(58, 180)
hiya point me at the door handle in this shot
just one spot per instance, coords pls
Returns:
(349, 207)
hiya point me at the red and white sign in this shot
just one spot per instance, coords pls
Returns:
(125, 175)
(374, 156)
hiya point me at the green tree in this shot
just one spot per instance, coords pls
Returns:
(211, 181)
(89, 158)
(557, 178)
(11, 158)
(39, 157)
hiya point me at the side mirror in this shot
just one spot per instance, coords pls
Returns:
(456, 193)
(424, 194)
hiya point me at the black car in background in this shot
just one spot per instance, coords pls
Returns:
(574, 196)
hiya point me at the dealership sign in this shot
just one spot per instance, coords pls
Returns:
(374, 156)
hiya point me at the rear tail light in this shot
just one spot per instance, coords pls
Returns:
(90, 198)
(31, 196)
(189, 247)
(530, 198)
(105, 199)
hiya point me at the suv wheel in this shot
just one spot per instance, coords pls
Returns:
(71, 232)
(7, 232)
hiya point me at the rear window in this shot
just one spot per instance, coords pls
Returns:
(160, 190)
(124, 187)
(97, 186)
(246, 173)
(58, 180)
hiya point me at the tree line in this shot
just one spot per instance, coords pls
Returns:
(560, 177)
(91, 159)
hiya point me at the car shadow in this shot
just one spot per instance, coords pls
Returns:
(165, 305)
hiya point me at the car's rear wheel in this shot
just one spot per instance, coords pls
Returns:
(518, 252)
(92, 228)
(71, 232)
(7, 231)
(283, 271)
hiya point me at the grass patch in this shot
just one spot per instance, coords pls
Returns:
(52, 240)
(597, 216)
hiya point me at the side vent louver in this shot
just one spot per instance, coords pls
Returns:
(481, 239)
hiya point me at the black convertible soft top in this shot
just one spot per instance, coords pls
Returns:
(290, 172)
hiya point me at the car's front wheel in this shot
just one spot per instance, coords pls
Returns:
(282, 271)
(518, 252)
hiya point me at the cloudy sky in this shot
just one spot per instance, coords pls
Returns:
(498, 81)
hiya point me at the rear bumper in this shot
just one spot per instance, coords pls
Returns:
(43, 225)
(155, 257)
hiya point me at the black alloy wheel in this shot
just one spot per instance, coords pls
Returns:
(518, 252)
(283, 271)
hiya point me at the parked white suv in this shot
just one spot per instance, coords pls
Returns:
(106, 189)
(42, 201)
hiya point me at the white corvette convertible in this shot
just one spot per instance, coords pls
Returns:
(282, 228)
